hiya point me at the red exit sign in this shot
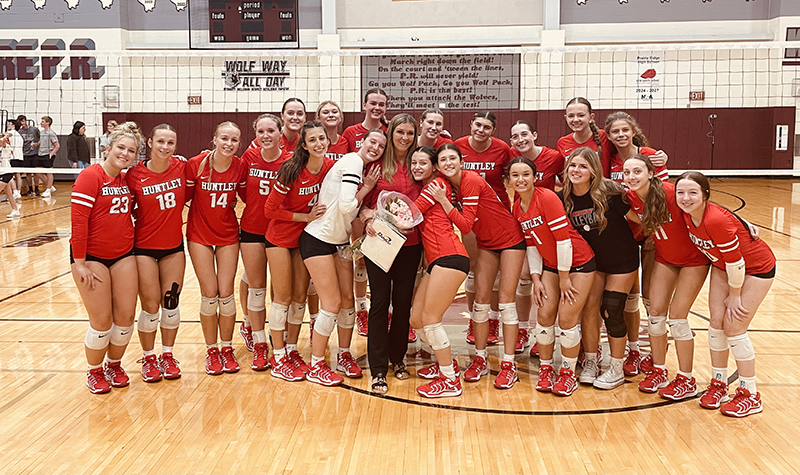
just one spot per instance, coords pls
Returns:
(194, 100)
(697, 95)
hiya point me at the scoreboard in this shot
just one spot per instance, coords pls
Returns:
(243, 24)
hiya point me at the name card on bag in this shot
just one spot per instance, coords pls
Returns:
(383, 248)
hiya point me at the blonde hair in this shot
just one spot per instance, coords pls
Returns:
(209, 158)
(128, 129)
(390, 156)
(599, 188)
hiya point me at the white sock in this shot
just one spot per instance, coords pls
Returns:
(481, 353)
(546, 362)
(685, 374)
(259, 336)
(589, 357)
(633, 345)
(508, 357)
(720, 374)
(109, 360)
(208, 347)
(361, 303)
(616, 362)
(523, 325)
(166, 349)
(448, 371)
(290, 347)
(344, 350)
(278, 353)
(95, 366)
(748, 383)
(570, 363)
(226, 344)
(149, 352)
(316, 359)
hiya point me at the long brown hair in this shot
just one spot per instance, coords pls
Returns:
(377, 90)
(639, 139)
(391, 158)
(600, 188)
(209, 158)
(655, 211)
(290, 170)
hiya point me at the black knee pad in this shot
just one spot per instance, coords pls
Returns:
(172, 297)
(613, 312)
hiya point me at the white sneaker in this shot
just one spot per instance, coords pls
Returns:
(14, 214)
(46, 193)
(613, 377)
(52, 189)
(589, 373)
(17, 195)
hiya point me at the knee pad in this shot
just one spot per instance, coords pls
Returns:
(296, 312)
(227, 306)
(360, 274)
(437, 336)
(147, 322)
(717, 341)
(679, 328)
(613, 312)
(469, 283)
(277, 317)
(172, 297)
(480, 312)
(545, 335)
(311, 289)
(742, 347)
(326, 322)
(508, 314)
(120, 336)
(244, 278)
(170, 318)
(208, 305)
(525, 288)
(96, 340)
(657, 325)
(347, 318)
(256, 299)
(496, 284)
(570, 338)
(632, 303)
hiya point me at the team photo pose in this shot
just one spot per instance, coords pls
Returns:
(431, 128)
(743, 268)
(374, 106)
(213, 180)
(158, 186)
(330, 115)
(102, 261)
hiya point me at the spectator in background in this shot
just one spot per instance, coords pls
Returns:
(104, 138)
(12, 140)
(78, 147)
(48, 148)
(30, 150)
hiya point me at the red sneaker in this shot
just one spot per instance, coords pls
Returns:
(743, 404)
(631, 365)
(715, 395)
(96, 381)
(646, 366)
(546, 377)
(494, 332)
(151, 373)
(284, 369)
(522, 341)
(654, 381)
(346, 364)
(433, 372)
(441, 387)
(321, 374)
(169, 366)
(229, 363)
(362, 322)
(247, 336)
(116, 375)
(566, 383)
(476, 370)
(297, 361)
(412, 335)
(470, 333)
(260, 357)
(679, 389)
(213, 362)
(507, 377)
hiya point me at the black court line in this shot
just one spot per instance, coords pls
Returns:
(742, 202)
(34, 286)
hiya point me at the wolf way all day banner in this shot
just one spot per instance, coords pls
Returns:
(255, 75)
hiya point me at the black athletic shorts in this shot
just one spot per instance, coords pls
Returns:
(312, 247)
(157, 254)
(520, 246)
(590, 266)
(455, 261)
(45, 161)
(6, 177)
(30, 161)
(106, 262)
(17, 163)
(770, 274)
(244, 236)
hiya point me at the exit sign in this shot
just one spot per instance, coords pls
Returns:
(194, 100)
(697, 95)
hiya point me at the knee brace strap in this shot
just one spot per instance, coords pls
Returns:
(360, 274)
(613, 312)
(227, 306)
(347, 318)
(296, 312)
(632, 303)
(326, 322)
(742, 347)
(525, 288)
(571, 337)
(147, 322)
(469, 283)
(508, 314)
(680, 330)
(172, 297)
(95, 339)
(311, 289)
(480, 312)
(208, 306)
(657, 325)
(717, 341)
(170, 318)
(120, 336)
(277, 317)
(437, 336)
(256, 299)
(545, 335)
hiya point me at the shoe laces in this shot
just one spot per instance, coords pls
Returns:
(741, 395)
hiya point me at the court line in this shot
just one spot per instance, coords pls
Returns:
(9, 220)
(26, 393)
(33, 287)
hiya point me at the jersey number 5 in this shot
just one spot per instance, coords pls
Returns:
(263, 187)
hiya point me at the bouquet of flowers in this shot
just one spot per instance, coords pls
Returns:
(395, 210)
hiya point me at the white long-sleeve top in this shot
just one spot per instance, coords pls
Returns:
(338, 194)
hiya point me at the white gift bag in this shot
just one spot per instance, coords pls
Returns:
(383, 248)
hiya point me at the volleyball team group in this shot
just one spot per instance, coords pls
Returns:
(558, 264)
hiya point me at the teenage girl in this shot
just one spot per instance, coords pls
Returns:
(431, 126)
(374, 107)
(330, 115)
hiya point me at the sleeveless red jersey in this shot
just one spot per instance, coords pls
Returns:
(339, 149)
(159, 199)
(355, 136)
(212, 216)
(260, 175)
(101, 215)
(438, 237)
(545, 223)
(490, 164)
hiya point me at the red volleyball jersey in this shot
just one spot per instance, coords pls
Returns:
(549, 164)
(616, 165)
(159, 199)
(567, 144)
(260, 175)
(441, 141)
(438, 237)
(490, 164)
(287, 146)
(212, 216)
(545, 223)
(339, 149)
(101, 215)
(482, 212)
(355, 136)
(284, 200)
(724, 239)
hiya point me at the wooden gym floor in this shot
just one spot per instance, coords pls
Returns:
(253, 423)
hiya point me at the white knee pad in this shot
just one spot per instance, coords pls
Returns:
(360, 274)
(311, 289)
(96, 340)
(742, 347)
(437, 336)
(545, 335)
(496, 285)
(326, 322)
(571, 337)
(632, 304)
(680, 330)
(227, 306)
(347, 318)
(147, 322)
(657, 325)
(717, 341)
(170, 318)
(120, 336)
(469, 283)
(208, 305)
(277, 317)
(296, 312)
(525, 288)
(256, 299)
(244, 278)
(508, 314)
(480, 312)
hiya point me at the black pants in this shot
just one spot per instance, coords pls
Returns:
(397, 287)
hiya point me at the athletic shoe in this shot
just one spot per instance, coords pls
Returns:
(412, 335)
(646, 366)
(494, 332)
(362, 322)
(46, 194)
(297, 361)
(151, 373)
(508, 375)
(285, 369)
(247, 336)
(522, 341)
(715, 395)
(476, 370)
(52, 189)
(169, 366)
(631, 365)
(14, 214)
(441, 387)
(213, 362)
(17, 195)
(260, 357)
(36, 193)
(96, 381)
(433, 371)
(470, 333)
(582, 355)
(229, 363)
(613, 377)
(743, 404)
(654, 381)
(546, 377)
(589, 372)
(566, 383)
(535, 349)
(321, 374)
(116, 375)
(679, 389)
(346, 364)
